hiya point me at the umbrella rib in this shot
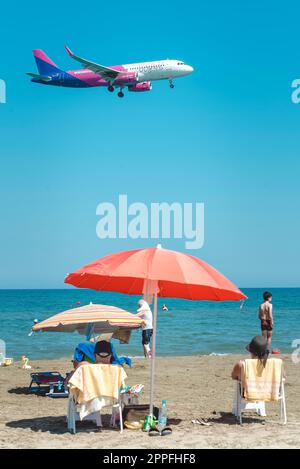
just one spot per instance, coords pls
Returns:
(186, 284)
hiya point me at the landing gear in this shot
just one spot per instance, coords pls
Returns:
(111, 88)
(171, 83)
(121, 94)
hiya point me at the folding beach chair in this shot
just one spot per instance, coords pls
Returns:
(251, 394)
(101, 399)
(51, 380)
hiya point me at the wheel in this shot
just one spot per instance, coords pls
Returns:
(121, 94)
(111, 88)
(171, 85)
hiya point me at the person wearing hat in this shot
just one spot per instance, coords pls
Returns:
(87, 353)
(258, 348)
(103, 352)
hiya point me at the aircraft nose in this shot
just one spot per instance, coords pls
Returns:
(189, 68)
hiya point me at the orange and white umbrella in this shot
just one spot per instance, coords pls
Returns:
(156, 272)
(92, 319)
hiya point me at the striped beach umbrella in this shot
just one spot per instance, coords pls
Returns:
(93, 319)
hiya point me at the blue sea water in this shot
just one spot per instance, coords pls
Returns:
(188, 328)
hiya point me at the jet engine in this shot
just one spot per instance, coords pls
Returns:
(138, 87)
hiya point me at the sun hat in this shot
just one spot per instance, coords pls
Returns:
(258, 346)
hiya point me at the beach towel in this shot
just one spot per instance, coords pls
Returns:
(86, 349)
(95, 386)
(261, 383)
(90, 381)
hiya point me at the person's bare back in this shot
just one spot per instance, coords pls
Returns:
(264, 312)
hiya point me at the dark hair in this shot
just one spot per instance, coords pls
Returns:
(267, 295)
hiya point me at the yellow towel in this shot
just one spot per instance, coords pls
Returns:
(261, 383)
(93, 380)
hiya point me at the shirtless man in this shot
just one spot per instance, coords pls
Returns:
(265, 314)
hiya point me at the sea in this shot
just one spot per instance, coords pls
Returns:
(187, 328)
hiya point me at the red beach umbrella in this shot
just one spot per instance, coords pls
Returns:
(158, 272)
(178, 275)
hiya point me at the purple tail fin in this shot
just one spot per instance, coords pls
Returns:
(44, 64)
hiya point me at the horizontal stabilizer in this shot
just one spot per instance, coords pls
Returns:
(39, 77)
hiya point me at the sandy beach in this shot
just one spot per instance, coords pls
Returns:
(194, 387)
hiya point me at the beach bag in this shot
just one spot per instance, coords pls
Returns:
(135, 413)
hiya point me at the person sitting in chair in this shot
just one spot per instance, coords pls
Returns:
(258, 348)
(100, 353)
(103, 352)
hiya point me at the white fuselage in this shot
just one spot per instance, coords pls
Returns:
(159, 70)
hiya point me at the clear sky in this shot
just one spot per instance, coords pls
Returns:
(228, 135)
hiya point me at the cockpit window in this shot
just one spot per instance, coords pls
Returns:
(180, 63)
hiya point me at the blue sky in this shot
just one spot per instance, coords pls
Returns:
(228, 135)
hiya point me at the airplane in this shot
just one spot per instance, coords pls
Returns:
(136, 77)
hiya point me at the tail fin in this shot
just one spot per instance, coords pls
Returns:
(44, 63)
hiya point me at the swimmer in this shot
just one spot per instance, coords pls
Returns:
(35, 321)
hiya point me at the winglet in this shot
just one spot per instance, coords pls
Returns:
(69, 51)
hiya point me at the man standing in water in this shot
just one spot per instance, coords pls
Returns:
(265, 314)
(145, 313)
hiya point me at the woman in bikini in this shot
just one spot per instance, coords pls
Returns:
(265, 314)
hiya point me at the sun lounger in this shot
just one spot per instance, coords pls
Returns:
(260, 384)
(51, 380)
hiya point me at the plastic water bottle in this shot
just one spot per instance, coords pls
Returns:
(162, 416)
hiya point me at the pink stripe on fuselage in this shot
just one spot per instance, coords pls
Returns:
(92, 78)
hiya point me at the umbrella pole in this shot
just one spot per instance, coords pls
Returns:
(153, 355)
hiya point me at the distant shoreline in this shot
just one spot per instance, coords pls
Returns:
(285, 356)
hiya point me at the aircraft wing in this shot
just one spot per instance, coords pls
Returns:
(96, 68)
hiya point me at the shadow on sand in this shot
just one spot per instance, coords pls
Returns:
(50, 424)
(226, 418)
(29, 391)
(58, 425)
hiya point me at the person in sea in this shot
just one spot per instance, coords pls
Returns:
(258, 349)
(145, 313)
(265, 314)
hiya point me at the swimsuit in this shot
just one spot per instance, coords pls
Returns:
(266, 325)
(146, 336)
